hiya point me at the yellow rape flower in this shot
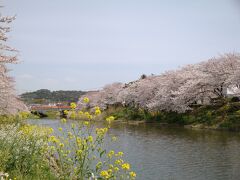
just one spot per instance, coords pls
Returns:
(97, 112)
(73, 105)
(101, 131)
(51, 130)
(119, 154)
(105, 174)
(90, 139)
(96, 107)
(65, 112)
(119, 161)
(109, 171)
(110, 154)
(73, 115)
(64, 155)
(79, 152)
(53, 139)
(86, 100)
(116, 169)
(63, 120)
(80, 113)
(27, 129)
(110, 119)
(70, 135)
(60, 129)
(86, 114)
(86, 123)
(24, 115)
(125, 166)
(61, 145)
(132, 174)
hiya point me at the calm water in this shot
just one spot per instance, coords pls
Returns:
(157, 152)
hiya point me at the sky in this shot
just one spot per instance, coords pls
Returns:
(85, 44)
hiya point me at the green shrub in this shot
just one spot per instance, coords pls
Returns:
(188, 119)
(235, 99)
(52, 114)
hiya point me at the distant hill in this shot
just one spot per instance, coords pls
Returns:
(45, 96)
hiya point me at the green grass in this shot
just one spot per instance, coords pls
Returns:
(52, 114)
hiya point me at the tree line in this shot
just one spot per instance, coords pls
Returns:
(176, 90)
(44, 96)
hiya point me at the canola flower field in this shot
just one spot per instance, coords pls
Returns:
(34, 152)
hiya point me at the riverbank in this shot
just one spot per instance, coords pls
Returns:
(224, 115)
(221, 116)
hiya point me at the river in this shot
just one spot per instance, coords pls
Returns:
(158, 152)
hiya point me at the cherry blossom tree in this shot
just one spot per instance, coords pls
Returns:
(138, 93)
(222, 72)
(176, 90)
(199, 83)
(9, 102)
(102, 98)
(94, 100)
(110, 93)
(165, 94)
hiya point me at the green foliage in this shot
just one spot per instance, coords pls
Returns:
(235, 99)
(225, 114)
(188, 119)
(8, 119)
(129, 113)
(52, 114)
(33, 116)
(238, 112)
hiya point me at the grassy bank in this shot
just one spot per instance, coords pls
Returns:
(224, 115)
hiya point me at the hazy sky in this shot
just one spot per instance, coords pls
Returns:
(84, 45)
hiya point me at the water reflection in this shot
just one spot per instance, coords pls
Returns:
(158, 152)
